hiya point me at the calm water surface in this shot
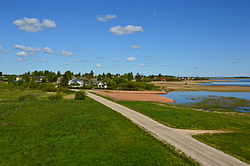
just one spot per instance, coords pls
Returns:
(185, 97)
(234, 82)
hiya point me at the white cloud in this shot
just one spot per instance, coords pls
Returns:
(98, 65)
(48, 50)
(33, 24)
(130, 59)
(49, 23)
(24, 48)
(20, 59)
(141, 65)
(67, 53)
(42, 60)
(165, 64)
(67, 63)
(104, 18)
(119, 52)
(122, 30)
(21, 54)
(135, 47)
(88, 50)
(33, 49)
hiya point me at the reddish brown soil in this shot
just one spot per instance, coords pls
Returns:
(135, 95)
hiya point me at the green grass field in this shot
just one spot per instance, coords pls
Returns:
(73, 132)
(236, 144)
(13, 94)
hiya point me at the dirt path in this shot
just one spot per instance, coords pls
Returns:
(196, 132)
(202, 153)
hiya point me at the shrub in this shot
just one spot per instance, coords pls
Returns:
(47, 87)
(80, 95)
(56, 97)
(64, 90)
(27, 97)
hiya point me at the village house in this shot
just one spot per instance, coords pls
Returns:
(18, 79)
(76, 83)
(102, 85)
(58, 81)
(3, 79)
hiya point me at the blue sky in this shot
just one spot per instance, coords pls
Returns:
(175, 37)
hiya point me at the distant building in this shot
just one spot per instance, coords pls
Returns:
(76, 83)
(18, 79)
(3, 79)
(102, 85)
(58, 81)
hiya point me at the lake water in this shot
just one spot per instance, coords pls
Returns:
(234, 82)
(185, 97)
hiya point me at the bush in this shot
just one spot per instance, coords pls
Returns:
(27, 97)
(64, 90)
(47, 87)
(56, 97)
(80, 95)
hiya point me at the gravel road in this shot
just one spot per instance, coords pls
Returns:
(200, 152)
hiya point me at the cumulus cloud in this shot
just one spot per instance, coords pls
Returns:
(135, 47)
(21, 54)
(24, 48)
(48, 23)
(88, 50)
(130, 59)
(20, 59)
(98, 65)
(42, 60)
(33, 24)
(67, 53)
(123, 30)
(141, 65)
(33, 49)
(104, 18)
(48, 50)
(119, 52)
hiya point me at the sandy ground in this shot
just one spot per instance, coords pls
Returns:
(193, 85)
(51, 93)
(135, 95)
(133, 92)
(196, 132)
(71, 96)
(202, 153)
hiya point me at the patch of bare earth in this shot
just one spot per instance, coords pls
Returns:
(196, 132)
(135, 95)
(51, 93)
(72, 96)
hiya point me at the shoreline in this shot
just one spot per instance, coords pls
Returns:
(191, 85)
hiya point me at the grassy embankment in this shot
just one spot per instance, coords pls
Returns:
(236, 143)
(73, 132)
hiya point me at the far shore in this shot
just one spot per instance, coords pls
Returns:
(193, 85)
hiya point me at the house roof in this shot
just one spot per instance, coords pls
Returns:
(76, 81)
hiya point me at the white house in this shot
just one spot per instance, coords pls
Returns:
(18, 79)
(76, 83)
(102, 85)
